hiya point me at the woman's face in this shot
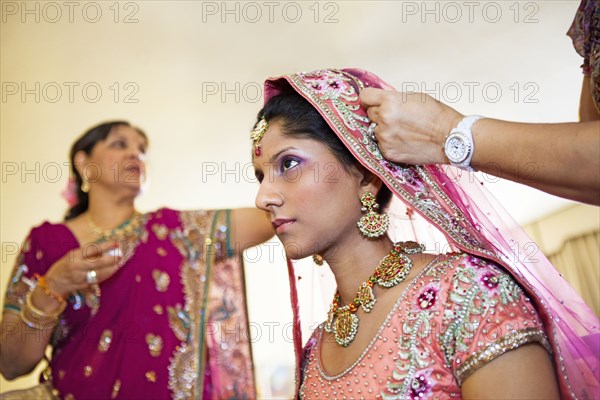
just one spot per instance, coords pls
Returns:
(313, 200)
(117, 161)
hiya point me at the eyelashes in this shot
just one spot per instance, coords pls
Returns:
(288, 163)
(284, 165)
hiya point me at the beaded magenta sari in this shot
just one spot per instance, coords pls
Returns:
(167, 325)
(457, 205)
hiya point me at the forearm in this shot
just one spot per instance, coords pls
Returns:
(21, 347)
(251, 227)
(587, 106)
(562, 159)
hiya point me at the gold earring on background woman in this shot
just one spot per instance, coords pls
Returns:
(85, 185)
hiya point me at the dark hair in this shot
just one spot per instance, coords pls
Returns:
(86, 143)
(299, 118)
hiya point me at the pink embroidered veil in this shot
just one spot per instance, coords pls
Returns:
(455, 203)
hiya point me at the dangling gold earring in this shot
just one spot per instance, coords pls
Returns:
(318, 259)
(85, 185)
(372, 224)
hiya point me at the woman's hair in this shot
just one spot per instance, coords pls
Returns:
(86, 143)
(298, 117)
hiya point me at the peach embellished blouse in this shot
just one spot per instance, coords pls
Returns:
(456, 315)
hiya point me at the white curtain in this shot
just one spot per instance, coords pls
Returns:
(578, 260)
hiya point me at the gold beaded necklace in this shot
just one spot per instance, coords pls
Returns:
(392, 269)
(126, 235)
(126, 229)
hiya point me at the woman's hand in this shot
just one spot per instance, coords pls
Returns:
(22, 350)
(411, 127)
(70, 273)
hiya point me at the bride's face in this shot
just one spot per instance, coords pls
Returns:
(312, 198)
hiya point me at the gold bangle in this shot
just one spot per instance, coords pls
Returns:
(35, 325)
(33, 317)
(43, 284)
(41, 314)
(38, 324)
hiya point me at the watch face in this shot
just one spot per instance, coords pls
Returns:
(457, 148)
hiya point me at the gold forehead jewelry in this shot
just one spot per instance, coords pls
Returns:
(257, 134)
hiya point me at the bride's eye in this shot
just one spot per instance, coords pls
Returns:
(289, 163)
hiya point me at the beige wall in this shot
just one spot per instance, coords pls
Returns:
(561, 225)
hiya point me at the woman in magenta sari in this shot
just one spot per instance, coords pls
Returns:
(487, 320)
(134, 305)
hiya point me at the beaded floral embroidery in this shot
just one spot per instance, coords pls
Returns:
(477, 289)
(434, 337)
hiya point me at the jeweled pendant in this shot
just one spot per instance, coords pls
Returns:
(393, 270)
(365, 296)
(257, 150)
(346, 326)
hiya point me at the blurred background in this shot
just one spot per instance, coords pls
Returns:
(190, 73)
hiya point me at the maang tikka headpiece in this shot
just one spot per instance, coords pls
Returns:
(257, 134)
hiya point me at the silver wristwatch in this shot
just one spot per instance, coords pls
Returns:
(459, 146)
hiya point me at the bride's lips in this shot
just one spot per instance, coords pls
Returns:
(281, 224)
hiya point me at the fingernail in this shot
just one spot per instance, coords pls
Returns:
(115, 252)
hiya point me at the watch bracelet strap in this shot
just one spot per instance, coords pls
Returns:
(465, 126)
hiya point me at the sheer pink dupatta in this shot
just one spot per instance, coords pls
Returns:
(458, 205)
(572, 327)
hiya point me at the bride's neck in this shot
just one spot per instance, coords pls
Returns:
(354, 263)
